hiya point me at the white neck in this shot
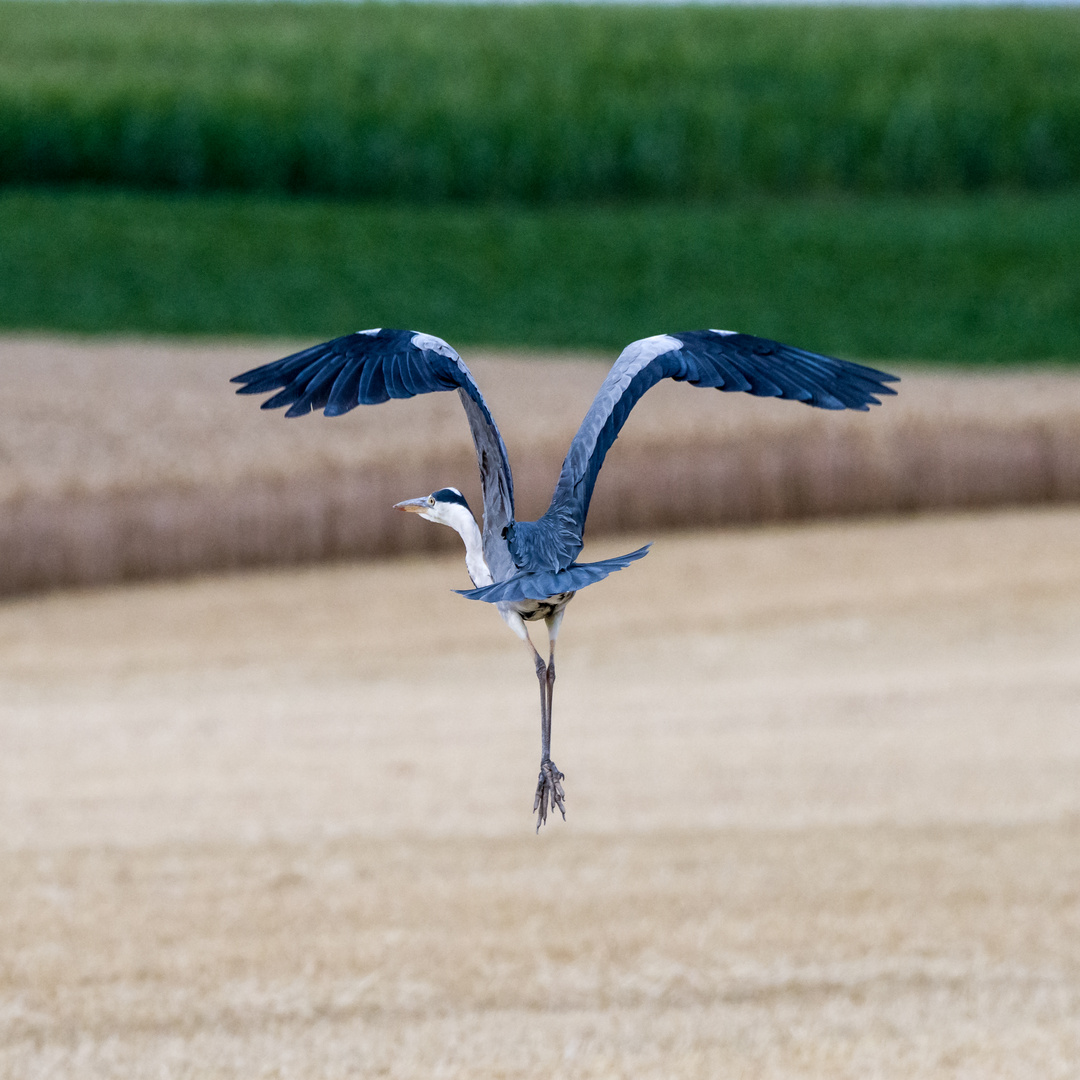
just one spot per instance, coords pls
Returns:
(462, 521)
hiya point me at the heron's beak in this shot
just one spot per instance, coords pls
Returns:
(412, 506)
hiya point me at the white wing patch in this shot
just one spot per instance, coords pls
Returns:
(370, 333)
(724, 333)
(639, 353)
(431, 343)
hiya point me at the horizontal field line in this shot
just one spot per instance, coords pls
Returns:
(222, 485)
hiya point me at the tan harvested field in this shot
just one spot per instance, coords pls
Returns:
(823, 786)
(123, 460)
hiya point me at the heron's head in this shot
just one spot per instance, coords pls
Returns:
(446, 506)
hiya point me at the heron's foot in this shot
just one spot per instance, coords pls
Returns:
(549, 792)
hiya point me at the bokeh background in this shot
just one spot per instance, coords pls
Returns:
(888, 183)
(265, 781)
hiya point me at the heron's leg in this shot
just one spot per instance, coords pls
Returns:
(545, 713)
(549, 791)
(553, 624)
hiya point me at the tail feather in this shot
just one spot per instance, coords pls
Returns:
(531, 585)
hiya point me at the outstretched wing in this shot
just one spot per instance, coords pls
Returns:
(373, 366)
(714, 358)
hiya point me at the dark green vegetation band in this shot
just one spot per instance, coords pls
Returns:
(978, 278)
(538, 103)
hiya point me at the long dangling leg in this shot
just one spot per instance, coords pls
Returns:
(549, 790)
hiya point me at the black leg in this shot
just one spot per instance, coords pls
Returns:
(550, 688)
(549, 790)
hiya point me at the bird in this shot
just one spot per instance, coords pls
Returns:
(529, 570)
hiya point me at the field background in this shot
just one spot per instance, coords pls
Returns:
(884, 184)
(134, 459)
(991, 278)
(822, 776)
(541, 102)
(823, 794)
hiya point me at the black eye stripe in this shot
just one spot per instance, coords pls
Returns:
(448, 495)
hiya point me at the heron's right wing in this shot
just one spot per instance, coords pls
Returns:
(711, 358)
(373, 366)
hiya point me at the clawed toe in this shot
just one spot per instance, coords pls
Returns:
(549, 792)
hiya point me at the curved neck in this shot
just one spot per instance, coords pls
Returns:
(464, 524)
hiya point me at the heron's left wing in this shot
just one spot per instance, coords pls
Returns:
(373, 366)
(712, 358)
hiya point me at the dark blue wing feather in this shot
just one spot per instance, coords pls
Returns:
(373, 366)
(358, 369)
(412, 375)
(346, 387)
(540, 585)
(710, 358)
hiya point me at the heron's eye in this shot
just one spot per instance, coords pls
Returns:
(431, 500)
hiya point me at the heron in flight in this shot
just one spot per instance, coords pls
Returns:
(529, 569)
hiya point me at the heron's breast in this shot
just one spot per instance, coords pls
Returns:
(531, 610)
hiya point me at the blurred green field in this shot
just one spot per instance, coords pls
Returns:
(984, 278)
(538, 103)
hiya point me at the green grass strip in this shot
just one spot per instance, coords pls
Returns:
(993, 278)
(539, 103)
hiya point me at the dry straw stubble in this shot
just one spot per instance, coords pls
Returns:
(128, 459)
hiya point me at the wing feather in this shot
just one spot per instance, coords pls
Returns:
(411, 376)
(395, 376)
(346, 390)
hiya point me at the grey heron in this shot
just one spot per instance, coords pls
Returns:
(529, 569)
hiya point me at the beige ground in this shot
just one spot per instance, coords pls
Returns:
(824, 818)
